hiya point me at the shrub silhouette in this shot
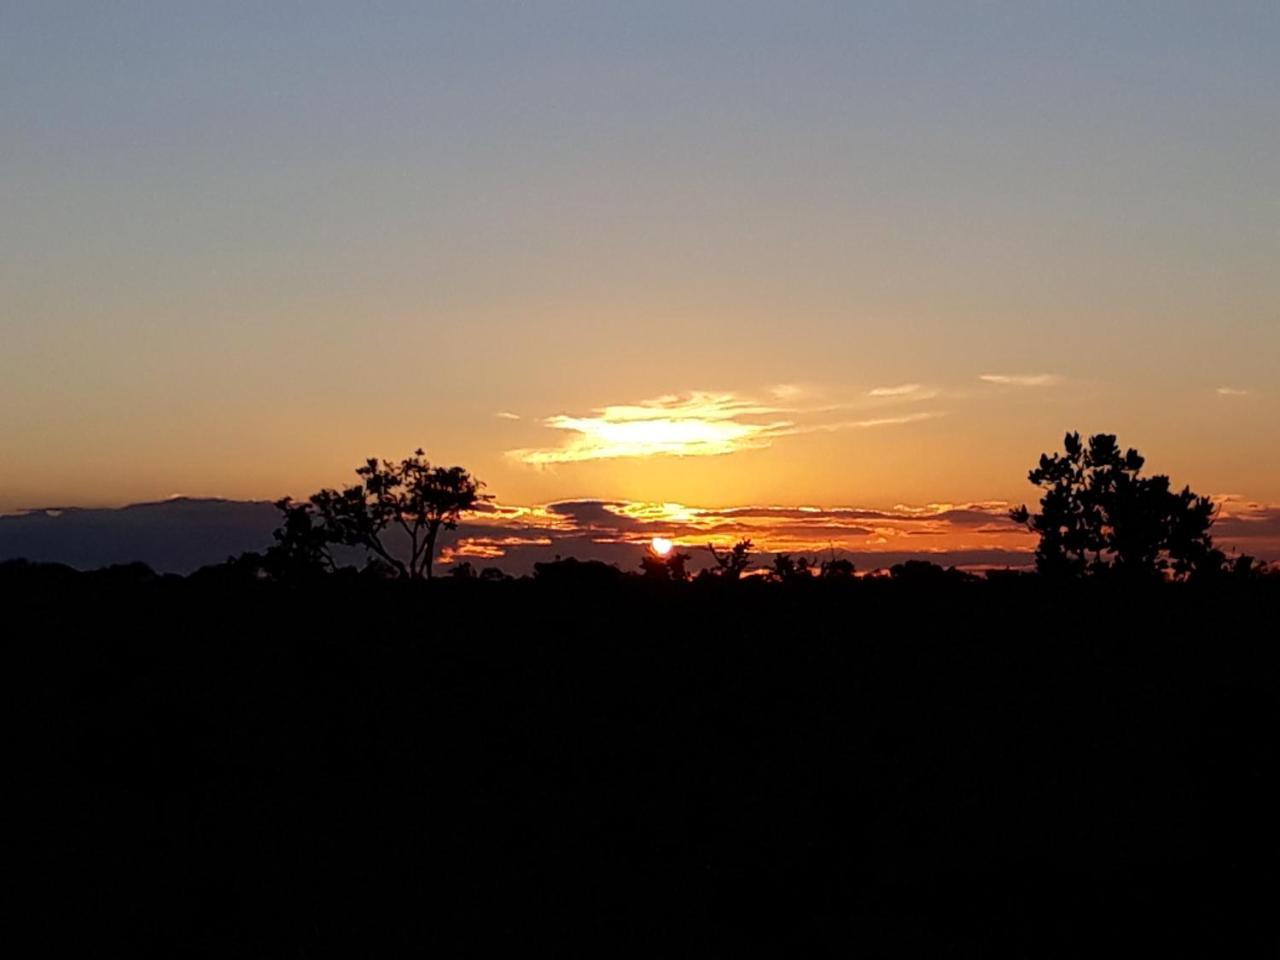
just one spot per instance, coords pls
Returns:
(573, 573)
(788, 570)
(411, 497)
(922, 573)
(731, 564)
(834, 569)
(1099, 516)
(672, 566)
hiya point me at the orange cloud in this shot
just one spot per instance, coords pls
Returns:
(589, 527)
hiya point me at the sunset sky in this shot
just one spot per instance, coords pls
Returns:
(720, 255)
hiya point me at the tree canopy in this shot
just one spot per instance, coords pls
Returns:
(1099, 515)
(410, 499)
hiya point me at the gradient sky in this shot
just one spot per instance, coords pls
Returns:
(708, 253)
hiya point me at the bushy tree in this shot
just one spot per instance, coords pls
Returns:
(1099, 515)
(303, 543)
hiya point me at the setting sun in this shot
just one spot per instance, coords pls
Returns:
(661, 546)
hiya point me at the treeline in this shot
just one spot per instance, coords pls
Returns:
(1099, 517)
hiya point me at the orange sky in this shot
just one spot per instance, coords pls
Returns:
(717, 255)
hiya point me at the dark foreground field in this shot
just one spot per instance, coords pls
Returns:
(640, 769)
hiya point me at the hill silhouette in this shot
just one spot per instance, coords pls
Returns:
(179, 535)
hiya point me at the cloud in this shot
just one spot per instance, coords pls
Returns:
(1232, 392)
(901, 390)
(507, 415)
(884, 421)
(974, 534)
(1022, 379)
(698, 424)
(596, 515)
(1239, 520)
(786, 391)
(609, 529)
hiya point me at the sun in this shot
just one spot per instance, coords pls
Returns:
(661, 546)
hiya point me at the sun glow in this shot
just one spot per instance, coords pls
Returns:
(661, 546)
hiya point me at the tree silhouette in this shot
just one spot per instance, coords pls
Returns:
(410, 496)
(1098, 515)
(922, 573)
(834, 569)
(788, 570)
(671, 566)
(731, 564)
(302, 543)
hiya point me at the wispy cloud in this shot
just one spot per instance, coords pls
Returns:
(507, 415)
(865, 424)
(1232, 392)
(892, 421)
(901, 390)
(699, 424)
(786, 391)
(1022, 379)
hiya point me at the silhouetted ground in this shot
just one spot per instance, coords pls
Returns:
(624, 768)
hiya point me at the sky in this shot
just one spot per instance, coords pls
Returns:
(716, 255)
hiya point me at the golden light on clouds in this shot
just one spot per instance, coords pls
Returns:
(698, 424)
(978, 533)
